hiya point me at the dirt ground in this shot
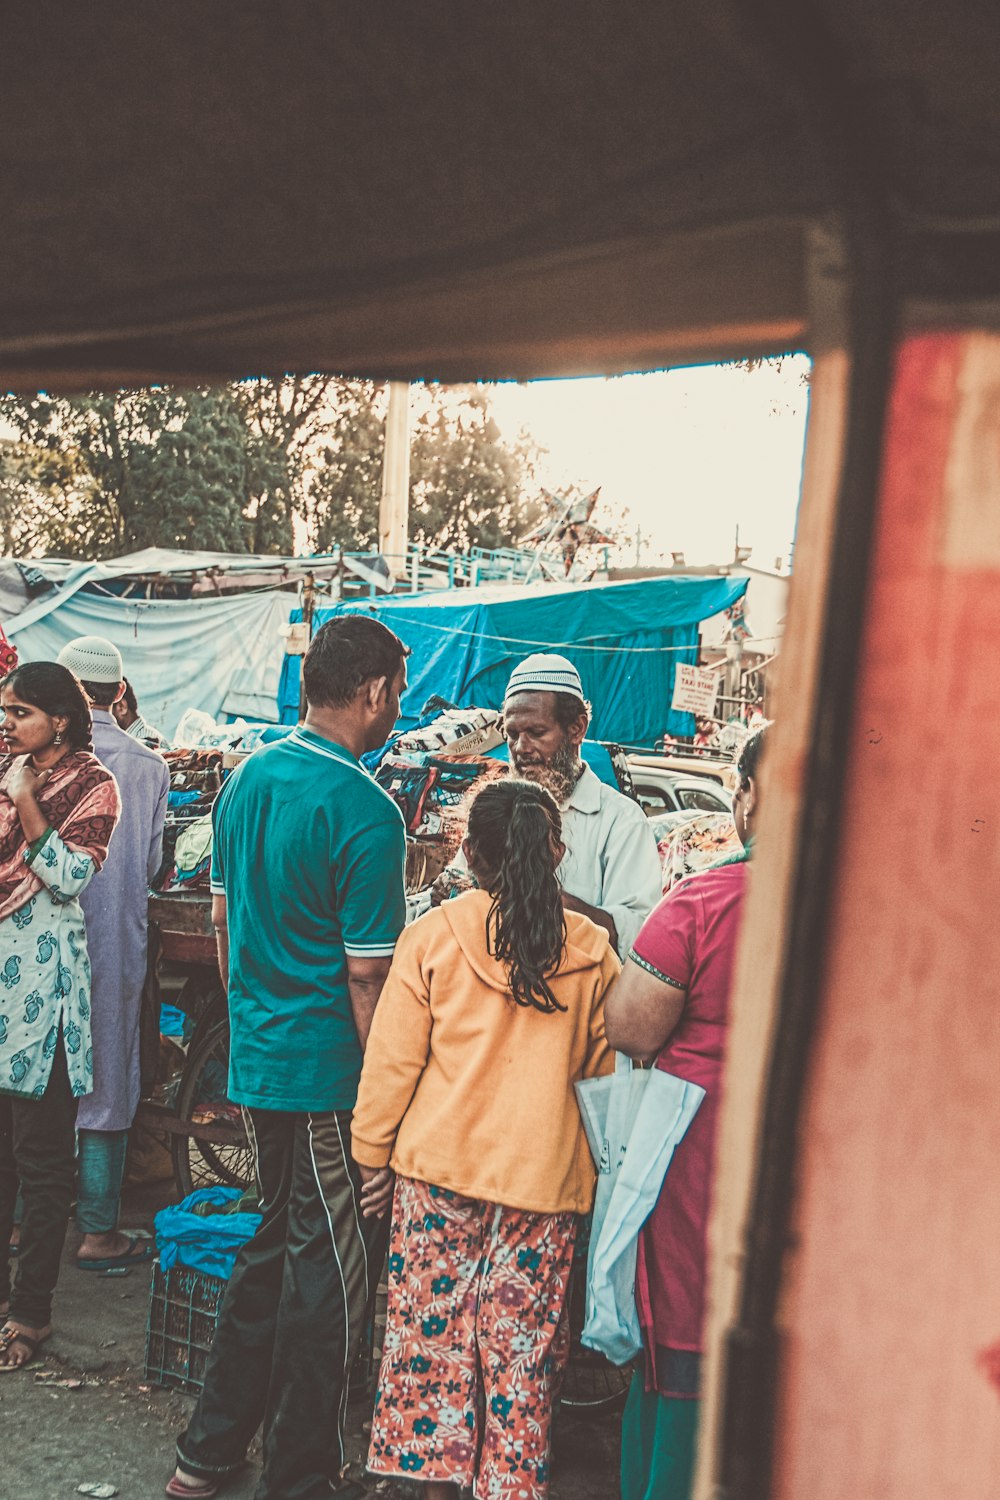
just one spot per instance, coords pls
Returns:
(116, 1429)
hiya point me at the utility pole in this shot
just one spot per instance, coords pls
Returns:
(733, 677)
(394, 508)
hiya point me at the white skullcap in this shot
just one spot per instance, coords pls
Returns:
(545, 673)
(93, 659)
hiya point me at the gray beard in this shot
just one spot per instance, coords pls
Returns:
(559, 777)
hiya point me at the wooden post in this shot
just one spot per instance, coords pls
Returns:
(308, 610)
(394, 509)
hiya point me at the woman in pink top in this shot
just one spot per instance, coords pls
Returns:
(672, 1003)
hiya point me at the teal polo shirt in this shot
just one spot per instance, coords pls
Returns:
(309, 853)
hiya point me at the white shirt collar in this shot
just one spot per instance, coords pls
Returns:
(586, 795)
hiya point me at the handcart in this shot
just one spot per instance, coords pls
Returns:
(208, 1139)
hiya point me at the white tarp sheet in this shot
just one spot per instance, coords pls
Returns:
(221, 655)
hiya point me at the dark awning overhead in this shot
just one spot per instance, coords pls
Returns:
(456, 190)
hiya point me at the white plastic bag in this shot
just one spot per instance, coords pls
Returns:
(633, 1120)
(199, 731)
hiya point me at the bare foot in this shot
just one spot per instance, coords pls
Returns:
(107, 1251)
(104, 1246)
(15, 1237)
(18, 1343)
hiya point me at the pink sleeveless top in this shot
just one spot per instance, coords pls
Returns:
(690, 942)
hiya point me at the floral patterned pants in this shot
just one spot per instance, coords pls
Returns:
(477, 1335)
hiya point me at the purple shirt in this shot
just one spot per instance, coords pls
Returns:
(115, 907)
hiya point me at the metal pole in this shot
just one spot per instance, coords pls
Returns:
(734, 669)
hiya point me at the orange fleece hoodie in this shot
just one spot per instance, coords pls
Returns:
(465, 1089)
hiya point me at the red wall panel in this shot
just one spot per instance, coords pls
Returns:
(893, 1288)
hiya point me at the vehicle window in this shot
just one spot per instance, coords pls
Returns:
(695, 799)
(655, 800)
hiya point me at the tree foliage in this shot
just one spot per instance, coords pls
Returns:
(122, 470)
(468, 486)
(344, 479)
(254, 466)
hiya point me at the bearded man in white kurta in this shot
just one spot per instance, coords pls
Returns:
(611, 868)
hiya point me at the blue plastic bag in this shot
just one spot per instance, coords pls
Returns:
(633, 1119)
(204, 1242)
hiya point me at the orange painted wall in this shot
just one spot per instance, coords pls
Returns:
(893, 1288)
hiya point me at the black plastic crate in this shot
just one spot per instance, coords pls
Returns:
(183, 1313)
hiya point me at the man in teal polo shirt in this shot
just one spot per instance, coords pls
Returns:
(307, 880)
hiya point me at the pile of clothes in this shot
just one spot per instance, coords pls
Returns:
(433, 772)
(195, 779)
(434, 797)
(458, 731)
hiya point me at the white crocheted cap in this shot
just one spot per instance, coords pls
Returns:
(545, 673)
(93, 659)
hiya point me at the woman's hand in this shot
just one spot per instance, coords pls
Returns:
(376, 1194)
(22, 788)
(25, 782)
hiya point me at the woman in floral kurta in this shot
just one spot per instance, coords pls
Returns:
(46, 975)
(58, 809)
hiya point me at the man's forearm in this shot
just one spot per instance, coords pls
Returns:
(596, 915)
(364, 998)
(365, 979)
(220, 921)
(222, 950)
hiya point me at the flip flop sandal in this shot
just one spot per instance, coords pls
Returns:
(32, 1346)
(202, 1489)
(146, 1250)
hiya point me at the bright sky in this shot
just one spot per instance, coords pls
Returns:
(687, 455)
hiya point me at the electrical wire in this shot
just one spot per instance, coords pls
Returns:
(509, 640)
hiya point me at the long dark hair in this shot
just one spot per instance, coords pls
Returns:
(513, 826)
(55, 690)
(748, 764)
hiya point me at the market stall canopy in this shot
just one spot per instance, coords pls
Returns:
(459, 191)
(31, 588)
(221, 655)
(625, 639)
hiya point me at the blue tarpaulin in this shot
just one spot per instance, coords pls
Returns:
(624, 638)
(204, 1242)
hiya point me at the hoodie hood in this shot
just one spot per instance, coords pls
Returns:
(586, 943)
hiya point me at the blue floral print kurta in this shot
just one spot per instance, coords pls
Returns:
(45, 975)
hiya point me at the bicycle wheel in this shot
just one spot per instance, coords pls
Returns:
(202, 1098)
(203, 1001)
(591, 1382)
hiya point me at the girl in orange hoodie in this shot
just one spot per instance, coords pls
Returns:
(493, 1009)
